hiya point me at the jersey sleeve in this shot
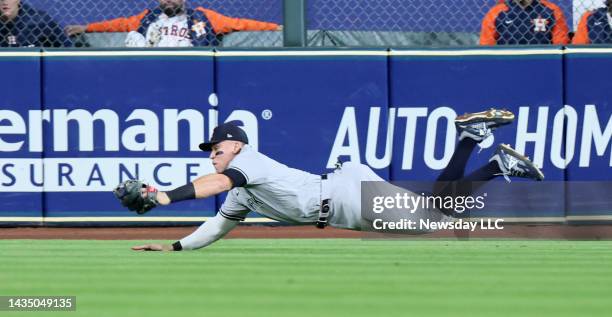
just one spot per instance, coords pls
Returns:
(560, 31)
(248, 164)
(488, 33)
(123, 24)
(210, 231)
(224, 24)
(582, 34)
(232, 209)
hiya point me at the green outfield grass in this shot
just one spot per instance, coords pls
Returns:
(332, 277)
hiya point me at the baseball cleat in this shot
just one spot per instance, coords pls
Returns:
(512, 163)
(479, 125)
(494, 118)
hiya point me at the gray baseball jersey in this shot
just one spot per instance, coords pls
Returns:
(286, 194)
(272, 189)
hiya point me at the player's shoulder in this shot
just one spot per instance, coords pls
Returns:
(248, 151)
(247, 155)
(253, 160)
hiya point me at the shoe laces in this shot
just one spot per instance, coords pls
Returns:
(510, 164)
(512, 170)
(483, 130)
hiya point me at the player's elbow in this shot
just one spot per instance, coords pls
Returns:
(211, 185)
(221, 183)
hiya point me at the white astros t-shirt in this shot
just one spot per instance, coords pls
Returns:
(169, 32)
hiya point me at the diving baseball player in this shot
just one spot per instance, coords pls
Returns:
(258, 183)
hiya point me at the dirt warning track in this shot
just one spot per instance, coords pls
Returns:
(599, 232)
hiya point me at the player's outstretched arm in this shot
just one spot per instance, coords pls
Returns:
(140, 197)
(202, 187)
(209, 232)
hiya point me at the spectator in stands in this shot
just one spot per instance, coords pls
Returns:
(512, 22)
(595, 26)
(24, 26)
(173, 24)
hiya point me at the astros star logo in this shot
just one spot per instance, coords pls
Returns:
(539, 24)
(199, 28)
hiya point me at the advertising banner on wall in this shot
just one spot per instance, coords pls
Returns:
(112, 116)
(431, 87)
(588, 146)
(76, 123)
(310, 107)
(20, 137)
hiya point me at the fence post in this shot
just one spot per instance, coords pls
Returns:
(294, 28)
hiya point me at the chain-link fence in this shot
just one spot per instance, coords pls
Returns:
(140, 23)
(454, 22)
(256, 23)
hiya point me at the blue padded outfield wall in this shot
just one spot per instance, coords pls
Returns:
(20, 156)
(148, 121)
(105, 116)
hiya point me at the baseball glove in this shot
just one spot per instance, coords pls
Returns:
(136, 196)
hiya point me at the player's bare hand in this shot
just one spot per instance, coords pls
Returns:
(152, 247)
(72, 30)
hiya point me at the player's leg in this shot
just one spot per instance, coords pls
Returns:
(455, 168)
(345, 189)
(472, 128)
(475, 127)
